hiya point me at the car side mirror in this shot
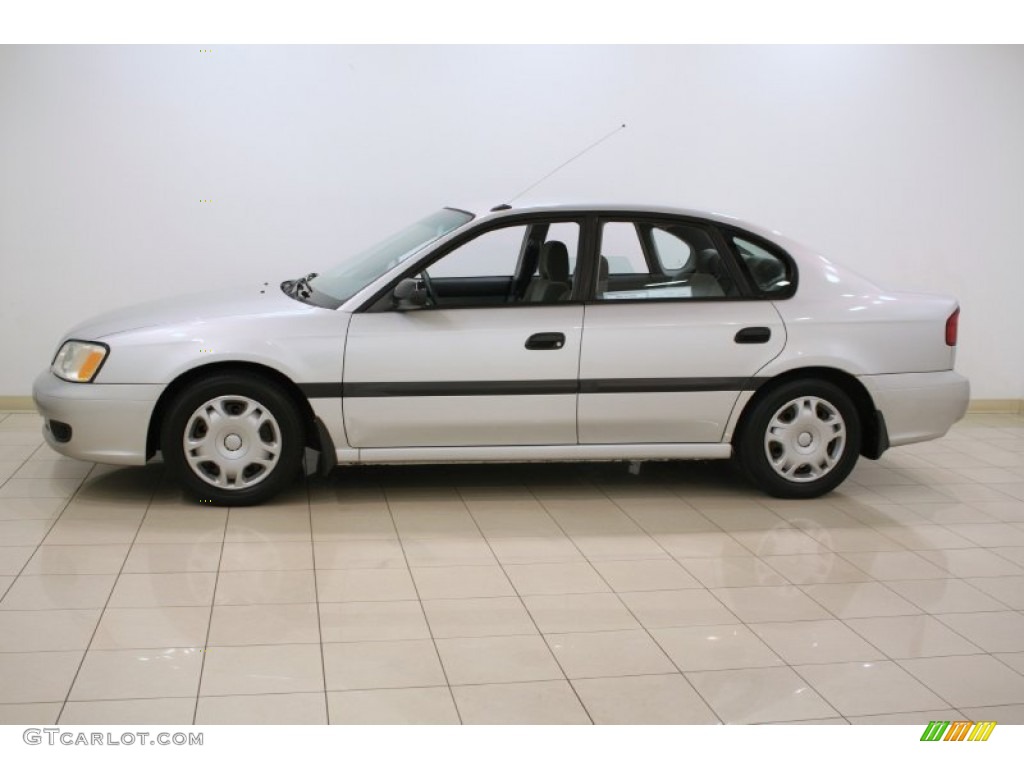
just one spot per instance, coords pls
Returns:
(410, 293)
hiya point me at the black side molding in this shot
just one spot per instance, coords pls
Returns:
(692, 384)
(529, 387)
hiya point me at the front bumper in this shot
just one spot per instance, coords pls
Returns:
(919, 406)
(108, 422)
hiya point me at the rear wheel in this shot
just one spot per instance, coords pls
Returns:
(233, 441)
(801, 440)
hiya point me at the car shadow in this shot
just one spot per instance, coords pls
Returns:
(135, 485)
(704, 478)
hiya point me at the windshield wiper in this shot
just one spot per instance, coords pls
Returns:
(299, 289)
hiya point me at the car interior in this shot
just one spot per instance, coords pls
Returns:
(652, 261)
(769, 272)
(542, 270)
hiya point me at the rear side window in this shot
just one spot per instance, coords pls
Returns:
(772, 274)
(621, 249)
(648, 261)
(674, 254)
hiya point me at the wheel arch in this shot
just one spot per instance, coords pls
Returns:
(189, 377)
(874, 437)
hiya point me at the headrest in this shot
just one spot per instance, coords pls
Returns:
(602, 272)
(554, 262)
(766, 271)
(708, 260)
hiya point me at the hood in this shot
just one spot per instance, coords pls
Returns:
(262, 299)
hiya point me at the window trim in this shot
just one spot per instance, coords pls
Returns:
(479, 230)
(729, 257)
(588, 251)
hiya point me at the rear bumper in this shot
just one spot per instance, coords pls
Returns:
(919, 406)
(108, 422)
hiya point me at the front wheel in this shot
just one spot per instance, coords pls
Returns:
(233, 441)
(801, 440)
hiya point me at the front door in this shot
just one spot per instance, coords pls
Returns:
(491, 360)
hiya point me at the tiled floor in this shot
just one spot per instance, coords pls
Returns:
(517, 594)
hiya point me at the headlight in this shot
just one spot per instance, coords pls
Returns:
(79, 361)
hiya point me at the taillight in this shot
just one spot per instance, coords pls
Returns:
(952, 327)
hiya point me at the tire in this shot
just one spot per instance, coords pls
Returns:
(801, 440)
(233, 439)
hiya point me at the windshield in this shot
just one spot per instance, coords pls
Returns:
(348, 278)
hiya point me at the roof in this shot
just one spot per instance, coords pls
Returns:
(482, 210)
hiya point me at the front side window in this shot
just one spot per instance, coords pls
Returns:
(522, 264)
(565, 232)
(492, 254)
(651, 261)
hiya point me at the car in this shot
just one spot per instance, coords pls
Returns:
(589, 332)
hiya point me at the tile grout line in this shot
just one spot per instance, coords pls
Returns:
(53, 520)
(838, 618)
(316, 599)
(519, 597)
(802, 588)
(746, 626)
(647, 630)
(113, 586)
(419, 599)
(672, 558)
(213, 605)
(852, 629)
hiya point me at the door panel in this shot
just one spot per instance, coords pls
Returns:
(458, 377)
(661, 417)
(668, 371)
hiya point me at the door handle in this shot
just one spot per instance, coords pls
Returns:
(755, 335)
(546, 341)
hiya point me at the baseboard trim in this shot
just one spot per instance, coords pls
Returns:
(996, 406)
(15, 403)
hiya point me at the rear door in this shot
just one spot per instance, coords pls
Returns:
(671, 335)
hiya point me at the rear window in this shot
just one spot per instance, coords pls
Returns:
(771, 273)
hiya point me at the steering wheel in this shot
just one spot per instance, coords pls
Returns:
(429, 286)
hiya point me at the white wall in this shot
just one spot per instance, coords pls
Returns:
(906, 163)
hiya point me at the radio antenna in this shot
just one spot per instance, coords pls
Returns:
(574, 157)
